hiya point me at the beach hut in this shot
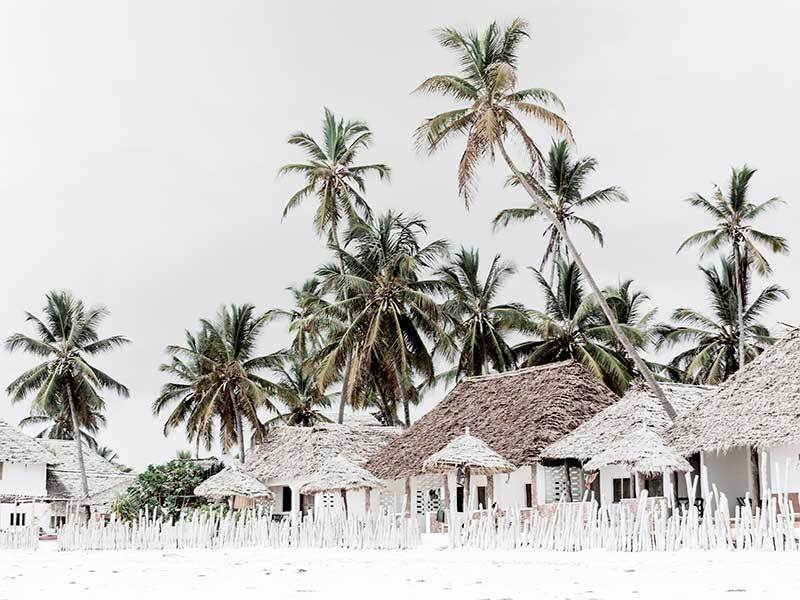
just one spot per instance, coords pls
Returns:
(466, 455)
(235, 484)
(747, 430)
(337, 474)
(516, 413)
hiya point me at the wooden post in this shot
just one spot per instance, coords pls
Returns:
(489, 491)
(583, 489)
(467, 486)
(755, 479)
(568, 482)
(446, 491)
(408, 510)
(640, 484)
(633, 486)
(534, 493)
(367, 500)
(344, 499)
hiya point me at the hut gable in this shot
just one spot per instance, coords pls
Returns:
(639, 407)
(64, 478)
(759, 406)
(516, 413)
(289, 453)
(16, 447)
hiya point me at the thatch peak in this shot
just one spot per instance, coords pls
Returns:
(337, 473)
(233, 480)
(641, 451)
(467, 451)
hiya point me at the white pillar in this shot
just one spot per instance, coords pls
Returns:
(295, 499)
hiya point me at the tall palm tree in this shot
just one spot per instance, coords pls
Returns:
(492, 117)
(231, 384)
(192, 367)
(734, 215)
(297, 390)
(563, 191)
(59, 426)
(714, 339)
(391, 307)
(66, 337)
(308, 300)
(572, 327)
(479, 326)
(337, 183)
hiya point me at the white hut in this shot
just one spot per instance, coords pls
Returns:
(336, 474)
(233, 483)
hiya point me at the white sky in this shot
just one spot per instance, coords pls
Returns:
(142, 140)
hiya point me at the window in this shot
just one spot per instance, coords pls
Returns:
(460, 499)
(622, 488)
(286, 499)
(17, 519)
(1, 470)
(56, 522)
(654, 486)
(482, 496)
(528, 496)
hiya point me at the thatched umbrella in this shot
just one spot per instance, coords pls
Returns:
(472, 455)
(642, 451)
(336, 473)
(232, 481)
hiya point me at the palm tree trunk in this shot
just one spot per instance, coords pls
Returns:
(612, 320)
(76, 435)
(197, 445)
(737, 258)
(344, 396)
(237, 417)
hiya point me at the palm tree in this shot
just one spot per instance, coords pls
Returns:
(59, 426)
(479, 326)
(108, 453)
(392, 311)
(713, 355)
(66, 337)
(337, 183)
(297, 389)
(734, 214)
(192, 367)
(573, 327)
(183, 455)
(308, 300)
(492, 116)
(563, 192)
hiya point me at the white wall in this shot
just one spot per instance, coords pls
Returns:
(36, 513)
(23, 480)
(607, 476)
(729, 471)
(783, 473)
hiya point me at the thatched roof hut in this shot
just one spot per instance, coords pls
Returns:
(759, 406)
(516, 413)
(467, 451)
(232, 481)
(639, 407)
(16, 447)
(642, 451)
(337, 474)
(292, 453)
(64, 477)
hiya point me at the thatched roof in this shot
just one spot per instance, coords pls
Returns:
(232, 481)
(759, 406)
(642, 451)
(289, 453)
(467, 451)
(338, 473)
(17, 447)
(64, 478)
(638, 407)
(516, 413)
(105, 498)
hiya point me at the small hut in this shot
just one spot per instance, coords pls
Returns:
(339, 474)
(468, 454)
(234, 483)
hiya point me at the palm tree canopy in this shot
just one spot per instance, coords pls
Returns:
(296, 388)
(331, 173)
(713, 353)
(478, 324)
(492, 106)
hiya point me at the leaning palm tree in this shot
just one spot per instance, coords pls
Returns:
(572, 327)
(712, 355)
(493, 117)
(479, 326)
(296, 388)
(66, 337)
(734, 214)
(563, 191)
(393, 312)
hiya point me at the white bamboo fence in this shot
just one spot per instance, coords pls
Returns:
(241, 529)
(586, 525)
(19, 538)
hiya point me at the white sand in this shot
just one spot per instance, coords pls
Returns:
(428, 572)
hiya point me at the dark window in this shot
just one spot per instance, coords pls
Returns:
(528, 496)
(17, 519)
(654, 486)
(1, 470)
(482, 496)
(622, 488)
(286, 503)
(56, 522)
(459, 499)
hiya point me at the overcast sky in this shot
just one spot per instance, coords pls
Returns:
(141, 141)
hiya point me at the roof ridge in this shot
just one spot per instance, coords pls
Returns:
(521, 371)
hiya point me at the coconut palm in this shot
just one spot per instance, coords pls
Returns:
(572, 327)
(59, 426)
(297, 389)
(734, 215)
(308, 300)
(108, 453)
(66, 382)
(492, 117)
(714, 339)
(393, 312)
(563, 191)
(480, 327)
